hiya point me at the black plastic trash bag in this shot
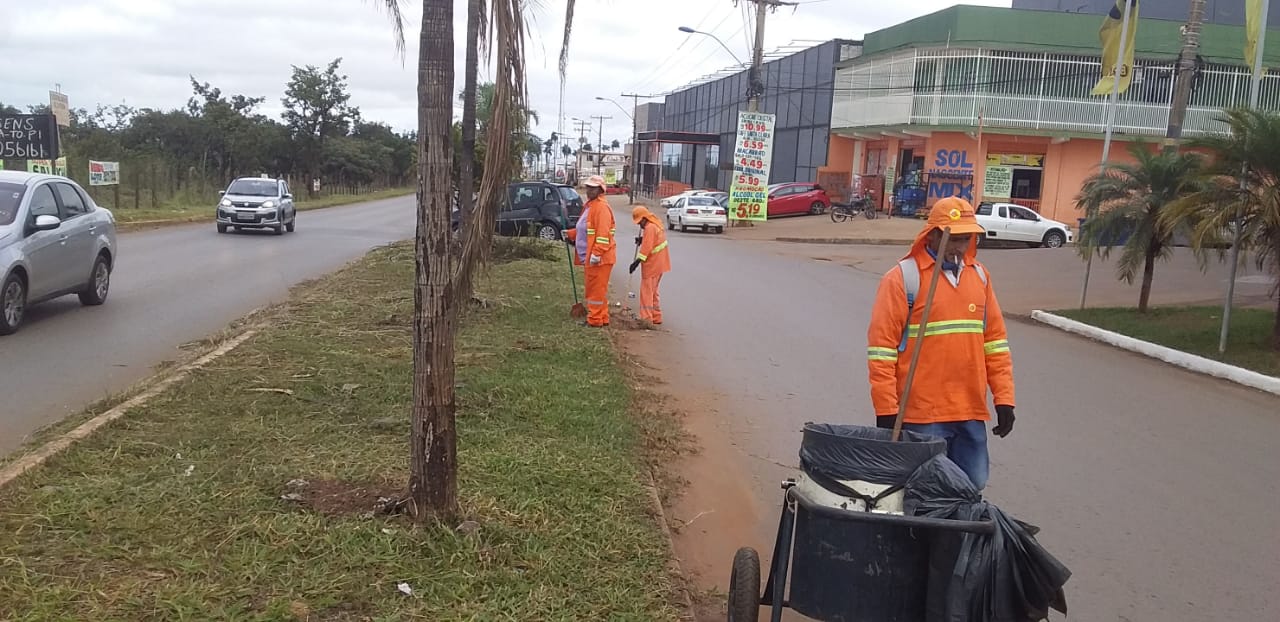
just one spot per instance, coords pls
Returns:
(1003, 577)
(854, 452)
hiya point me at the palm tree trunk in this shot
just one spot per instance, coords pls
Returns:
(1148, 273)
(433, 468)
(467, 166)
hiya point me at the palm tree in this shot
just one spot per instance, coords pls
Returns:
(615, 145)
(1244, 184)
(433, 468)
(566, 151)
(476, 33)
(1128, 199)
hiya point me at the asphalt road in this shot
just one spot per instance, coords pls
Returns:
(1157, 487)
(171, 286)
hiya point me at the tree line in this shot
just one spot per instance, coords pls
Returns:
(183, 155)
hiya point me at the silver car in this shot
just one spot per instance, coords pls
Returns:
(54, 241)
(257, 203)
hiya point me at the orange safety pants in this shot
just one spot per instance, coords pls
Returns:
(597, 280)
(650, 304)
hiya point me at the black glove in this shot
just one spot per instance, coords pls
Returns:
(638, 238)
(885, 421)
(1004, 420)
(635, 264)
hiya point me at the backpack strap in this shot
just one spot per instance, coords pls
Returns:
(982, 274)
(911, 283)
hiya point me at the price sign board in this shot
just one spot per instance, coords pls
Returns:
(752, 153)
(28, 137)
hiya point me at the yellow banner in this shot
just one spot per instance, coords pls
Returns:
(1109, 34)
(1252, 31)
(1014, 159)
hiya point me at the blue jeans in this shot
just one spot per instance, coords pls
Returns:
(966, 445)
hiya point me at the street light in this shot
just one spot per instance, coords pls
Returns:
(691, 31)
(624, 110)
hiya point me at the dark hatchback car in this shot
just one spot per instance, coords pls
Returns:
(538, 208)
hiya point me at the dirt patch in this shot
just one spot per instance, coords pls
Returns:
(333, 497)
(710, 507)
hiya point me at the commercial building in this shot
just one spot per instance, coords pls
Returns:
(995, 104)
(1226, 12)
(687, 140)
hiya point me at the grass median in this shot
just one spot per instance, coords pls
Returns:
(1195, 330)
(249, 491)
(128, 217)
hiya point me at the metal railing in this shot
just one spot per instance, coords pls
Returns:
(1046, 92)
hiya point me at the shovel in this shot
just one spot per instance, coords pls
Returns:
(924, 323)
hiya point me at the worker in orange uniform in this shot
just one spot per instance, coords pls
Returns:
(653, 255)
(593, 239)
(966, 348)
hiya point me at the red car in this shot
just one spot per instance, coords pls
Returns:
(795, 198)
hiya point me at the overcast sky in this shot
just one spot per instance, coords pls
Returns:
(141, 51)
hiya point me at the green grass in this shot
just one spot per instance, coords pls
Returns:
(174, 512)
(1196, 330)
(199, 213)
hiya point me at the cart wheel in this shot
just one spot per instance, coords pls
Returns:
(744, 586)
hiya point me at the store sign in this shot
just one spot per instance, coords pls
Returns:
(752, 153)
(1015, 159)
(28, 136)
(998, 182)
(104, 173)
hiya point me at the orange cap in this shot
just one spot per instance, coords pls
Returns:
(956, 213)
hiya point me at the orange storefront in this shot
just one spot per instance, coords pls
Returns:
(1039, 172)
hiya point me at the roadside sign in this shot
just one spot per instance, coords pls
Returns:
(48, 167)
(28, 136)
(60, 107)
(104, 173)
(752, 153)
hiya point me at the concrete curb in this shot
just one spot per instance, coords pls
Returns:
(1198, 364)
(673, 561)
(52, 448)
(857, 241)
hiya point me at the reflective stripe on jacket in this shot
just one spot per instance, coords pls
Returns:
(966, 347)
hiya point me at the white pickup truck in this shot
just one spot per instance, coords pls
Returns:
(1006, 222)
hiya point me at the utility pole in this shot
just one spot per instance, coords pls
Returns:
(755, 86)
(635, 143)
(582, 127)
(1187, 61)
(600, 141)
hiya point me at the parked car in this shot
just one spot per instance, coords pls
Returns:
(54, 241)
(698, 212)
(538, 208)
(1007, 222)
(797, 198)
(257, 203)
(671, 200)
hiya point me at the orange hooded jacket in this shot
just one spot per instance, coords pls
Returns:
(966, 347)
(654, 257)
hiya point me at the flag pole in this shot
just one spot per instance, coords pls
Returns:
(1111, 122)
(1255, 86)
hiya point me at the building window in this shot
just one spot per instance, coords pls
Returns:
(711, 166)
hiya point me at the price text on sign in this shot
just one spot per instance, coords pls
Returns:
(753, 150)
(28, 137)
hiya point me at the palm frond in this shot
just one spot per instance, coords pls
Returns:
(508, 109)
(392, 8)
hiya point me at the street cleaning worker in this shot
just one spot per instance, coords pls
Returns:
(653, 259)
(965, 351)
(593, 239)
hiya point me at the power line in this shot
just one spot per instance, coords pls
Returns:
(657, 71)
